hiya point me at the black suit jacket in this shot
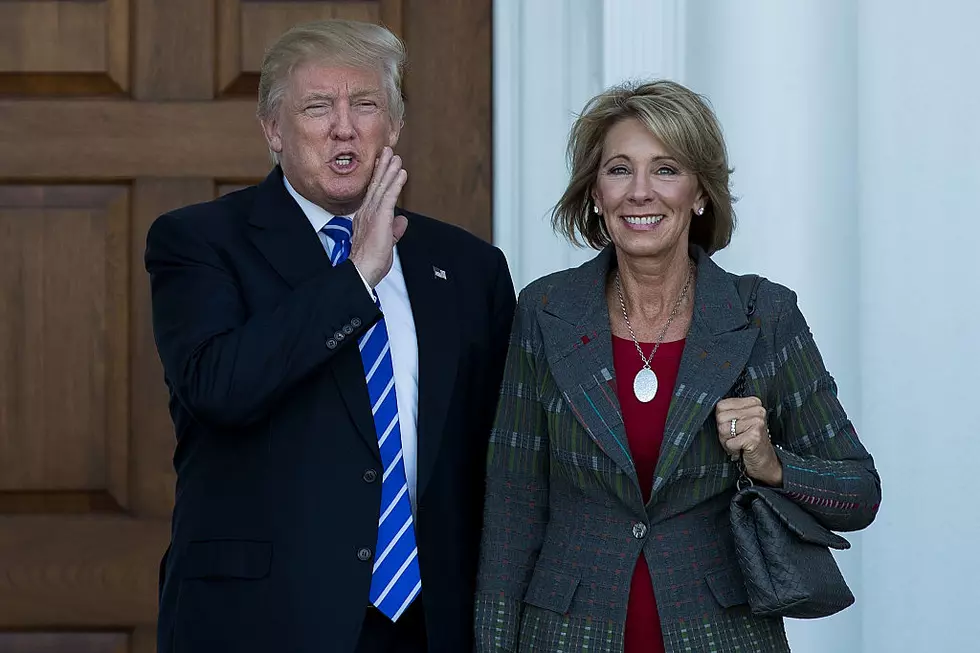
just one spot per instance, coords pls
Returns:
(278, 468)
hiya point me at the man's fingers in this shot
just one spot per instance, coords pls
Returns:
(381, 163)
(390, 177)
(394, 189)
(399, 226)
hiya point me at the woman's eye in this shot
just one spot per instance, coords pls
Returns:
(666, 170)
(618, 170)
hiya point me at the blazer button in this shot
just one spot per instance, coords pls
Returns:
(331, 344)
(370, 476)
(348, 329)
(639, 530)
(338, 336)
(356, 322)
(364, 554)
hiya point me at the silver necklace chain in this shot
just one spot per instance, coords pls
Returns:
(673, 313)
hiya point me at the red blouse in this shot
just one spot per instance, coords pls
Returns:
(645, 433)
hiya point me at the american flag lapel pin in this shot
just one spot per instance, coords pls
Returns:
(440, 273)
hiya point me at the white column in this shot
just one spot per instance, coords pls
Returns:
(782, 78)
(546, 66)
(642, 39)
(920, 226)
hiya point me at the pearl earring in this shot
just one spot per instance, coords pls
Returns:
(595, 209)
(701, 211)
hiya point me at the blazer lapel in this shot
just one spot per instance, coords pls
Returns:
(431, 288)
(280, 230)
(282, 233)
(578, 343)
(719, 343)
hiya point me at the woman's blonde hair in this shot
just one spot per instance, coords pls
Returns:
(341, 42)
(684, 122)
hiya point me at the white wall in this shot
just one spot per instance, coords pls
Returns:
(852, 125)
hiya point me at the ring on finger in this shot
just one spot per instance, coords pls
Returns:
(733, 432)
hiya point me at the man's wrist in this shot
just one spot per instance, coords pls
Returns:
(367, 286)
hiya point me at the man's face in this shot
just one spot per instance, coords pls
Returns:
(330, 128)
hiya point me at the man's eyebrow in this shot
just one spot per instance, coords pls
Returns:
(317, 95)
(320, 95)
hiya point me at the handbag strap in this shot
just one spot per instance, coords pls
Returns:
(748, 289)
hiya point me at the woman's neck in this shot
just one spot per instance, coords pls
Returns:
(651, 286)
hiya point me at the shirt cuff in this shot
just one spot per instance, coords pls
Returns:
(368, 287)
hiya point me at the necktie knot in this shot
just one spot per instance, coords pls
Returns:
(339, 230)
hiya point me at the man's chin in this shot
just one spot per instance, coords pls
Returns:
(348, 196)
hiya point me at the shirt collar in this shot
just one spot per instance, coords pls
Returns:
(317, 215)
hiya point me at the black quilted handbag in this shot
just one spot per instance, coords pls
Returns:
(784, 553)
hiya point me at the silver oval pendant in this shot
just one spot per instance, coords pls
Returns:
(645, 385)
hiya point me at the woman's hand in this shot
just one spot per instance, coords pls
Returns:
(751, 438)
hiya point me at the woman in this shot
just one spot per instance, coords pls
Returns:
(610, 468)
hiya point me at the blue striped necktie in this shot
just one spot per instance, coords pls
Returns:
(396, 579)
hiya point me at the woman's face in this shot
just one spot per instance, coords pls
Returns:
(645, 197)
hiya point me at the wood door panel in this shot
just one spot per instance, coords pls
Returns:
(447, 142)
(63, 346)
(77, 30)
(64, 47)
(117, 642)
(122, 140)
(79, 571)
(174, 50)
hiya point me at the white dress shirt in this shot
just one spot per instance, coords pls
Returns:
(393, 295)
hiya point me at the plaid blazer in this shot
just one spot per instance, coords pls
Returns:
(565, 520)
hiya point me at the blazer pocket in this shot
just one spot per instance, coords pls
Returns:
(551, 590)
(728, 587)
(244, 559)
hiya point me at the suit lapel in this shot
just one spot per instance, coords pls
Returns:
(719, 343)
(280, 230)
(578, 344)
(431, 285)
(282, 233)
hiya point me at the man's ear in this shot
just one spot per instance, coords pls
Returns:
(394, 132)
(270, 128)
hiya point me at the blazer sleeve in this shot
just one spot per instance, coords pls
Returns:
(226, 366)
(826, 469)
(516, 508)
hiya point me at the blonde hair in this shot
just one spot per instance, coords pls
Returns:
(342, 42)
(684, 122)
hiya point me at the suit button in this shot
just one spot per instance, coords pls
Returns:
(639, 530)
(348, 329)
(338, 336)
(331, 344)
(356, 322)
(370, 476)
(364, 554)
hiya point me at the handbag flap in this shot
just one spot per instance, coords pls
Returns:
(797, 520)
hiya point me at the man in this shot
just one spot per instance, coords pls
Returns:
(333, 369)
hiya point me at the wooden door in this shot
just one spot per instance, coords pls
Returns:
(112, 112)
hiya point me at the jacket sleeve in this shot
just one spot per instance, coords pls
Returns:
(826, 469)
(516, 509)
(226, 366)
